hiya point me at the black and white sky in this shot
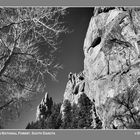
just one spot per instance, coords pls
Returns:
(70, 55)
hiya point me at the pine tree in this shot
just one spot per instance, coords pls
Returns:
(67, 115)
(58, 121)
(28, 126)
(52, 121)
(75, 118)
(85, 114)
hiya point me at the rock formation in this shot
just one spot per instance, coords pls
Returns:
(112, 58)
(44, 108)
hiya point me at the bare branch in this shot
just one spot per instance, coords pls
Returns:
(24, 31)
(6, 105)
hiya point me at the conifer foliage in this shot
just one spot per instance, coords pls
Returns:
(76, 116)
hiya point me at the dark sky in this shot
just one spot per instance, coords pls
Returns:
(70, 56)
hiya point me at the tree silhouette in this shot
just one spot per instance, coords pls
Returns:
(51, 121)
(54, 120)
(75, 116)
(67, 118)
(85, 112)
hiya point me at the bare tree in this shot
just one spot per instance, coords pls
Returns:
(26, 32)
(127, 112)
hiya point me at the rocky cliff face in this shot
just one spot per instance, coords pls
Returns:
(109, 65)
(75, 87)
(112, 58)
(44, 108)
